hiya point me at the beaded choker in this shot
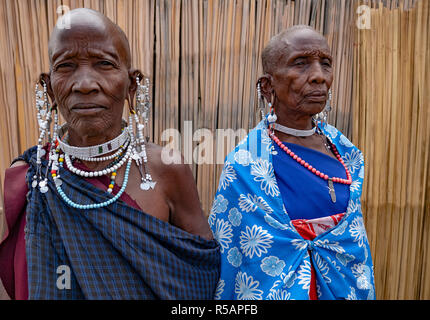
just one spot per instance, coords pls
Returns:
(84, 153)
(294, 132)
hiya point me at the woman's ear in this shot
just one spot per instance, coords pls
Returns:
(133, 74)
(266, 87)
(45, 78)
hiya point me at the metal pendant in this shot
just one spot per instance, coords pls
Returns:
(43, 186)
(331, 190)
(58, 182)
(144, 186)
(147, 185)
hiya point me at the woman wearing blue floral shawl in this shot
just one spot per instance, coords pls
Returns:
(287, 212)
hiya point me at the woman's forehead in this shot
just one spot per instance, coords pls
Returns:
(81, 38)
(308, 43)
(96, 34)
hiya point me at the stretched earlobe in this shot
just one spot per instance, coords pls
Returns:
(45, 79)
(133, 75)
(266, 88)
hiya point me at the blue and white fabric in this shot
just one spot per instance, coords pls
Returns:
(262, 254)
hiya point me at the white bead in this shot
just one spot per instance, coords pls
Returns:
(272, 118)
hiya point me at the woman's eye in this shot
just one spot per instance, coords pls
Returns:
(300, 62)
(64, 66)
(326, 63)
(106, 63)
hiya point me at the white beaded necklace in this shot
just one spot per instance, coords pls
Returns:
(102, 172)
(93, 151)
(294, 132)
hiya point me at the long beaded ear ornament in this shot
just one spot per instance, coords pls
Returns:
(261, 105)
(322, 117)
(44, 119)
(140, 117)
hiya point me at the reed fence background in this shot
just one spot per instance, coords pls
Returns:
(203, 59)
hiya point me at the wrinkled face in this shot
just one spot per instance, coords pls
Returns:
(304, 75)
(89, 76)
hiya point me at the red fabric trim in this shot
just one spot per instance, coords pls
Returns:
(13, 263)
(309, 229)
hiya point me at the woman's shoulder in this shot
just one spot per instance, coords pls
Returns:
(168, 165)
(164, 158)
(18, 163)
(337, 137)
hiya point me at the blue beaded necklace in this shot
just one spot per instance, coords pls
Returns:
(94, 205)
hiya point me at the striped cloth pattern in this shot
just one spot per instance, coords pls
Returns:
(116, 252)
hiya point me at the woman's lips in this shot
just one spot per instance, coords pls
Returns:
(87, 109)
(316, 97)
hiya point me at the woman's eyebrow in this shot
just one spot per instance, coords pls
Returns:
(64, 55)
(103, 54)
(311, 53)
(92, 53)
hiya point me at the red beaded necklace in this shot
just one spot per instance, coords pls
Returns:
(318, 173)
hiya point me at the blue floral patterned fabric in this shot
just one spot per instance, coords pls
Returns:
(262, 254)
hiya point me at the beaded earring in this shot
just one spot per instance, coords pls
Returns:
(44, 119)
(271, 117)
(138, 120)
(322, 116)
(261, 104)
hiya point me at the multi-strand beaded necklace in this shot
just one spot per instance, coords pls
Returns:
(59, 156)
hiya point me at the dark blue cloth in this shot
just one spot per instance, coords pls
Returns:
(305, 195)
(116, 252)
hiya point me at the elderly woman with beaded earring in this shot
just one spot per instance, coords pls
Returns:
(287, 211)
(104, 217)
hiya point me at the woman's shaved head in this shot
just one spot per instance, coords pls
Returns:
(278, 47)
(89, 21)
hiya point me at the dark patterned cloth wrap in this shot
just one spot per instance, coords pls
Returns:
(115, 252)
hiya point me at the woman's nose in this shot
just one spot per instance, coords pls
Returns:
(85, 82)
(317, 74)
